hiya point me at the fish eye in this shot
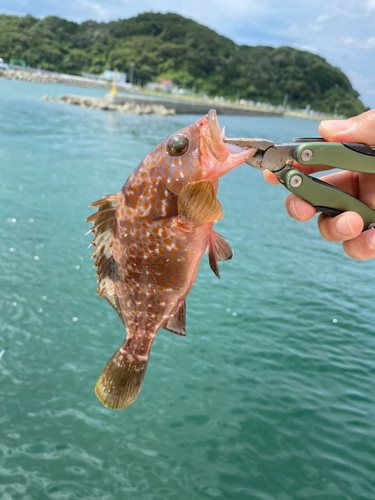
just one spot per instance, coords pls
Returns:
(177, 146)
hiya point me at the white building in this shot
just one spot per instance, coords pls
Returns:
(3, 66)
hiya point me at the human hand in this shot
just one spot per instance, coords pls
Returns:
(346, 227)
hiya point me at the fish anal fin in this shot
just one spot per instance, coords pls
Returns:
(197, 204)
(218, 250)
(121, 379)
(177, 322)
(104, 223)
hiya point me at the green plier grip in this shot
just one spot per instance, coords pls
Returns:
(346, 156)
(327, 198)
(323, 196)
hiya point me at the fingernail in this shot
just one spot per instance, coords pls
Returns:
(343, 226)
(292, 209)
(336, 125)
(371, 239)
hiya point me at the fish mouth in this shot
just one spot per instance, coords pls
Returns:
(218, 157)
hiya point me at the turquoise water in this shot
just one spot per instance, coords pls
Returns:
(271, 396)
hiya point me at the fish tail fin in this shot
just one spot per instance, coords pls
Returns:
(121, 379)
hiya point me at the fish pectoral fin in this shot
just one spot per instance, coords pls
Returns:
(218, 250)
(177, 322)
(121, 379)
(197, 204)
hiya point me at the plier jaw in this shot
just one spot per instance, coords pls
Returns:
(269, 156)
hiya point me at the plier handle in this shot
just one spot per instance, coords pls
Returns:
(329, 199)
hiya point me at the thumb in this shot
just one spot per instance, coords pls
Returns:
(360, 129)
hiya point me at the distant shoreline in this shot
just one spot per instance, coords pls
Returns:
(185, 105)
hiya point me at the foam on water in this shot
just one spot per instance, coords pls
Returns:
(271, 394)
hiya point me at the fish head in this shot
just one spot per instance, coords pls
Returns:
(198, 152)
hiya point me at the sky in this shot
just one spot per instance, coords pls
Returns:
(341, 31)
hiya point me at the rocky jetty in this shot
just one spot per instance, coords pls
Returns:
(34, 76)
(107, 103)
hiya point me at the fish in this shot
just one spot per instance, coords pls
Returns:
(149, 240)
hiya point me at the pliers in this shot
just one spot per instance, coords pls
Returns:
(329, 199)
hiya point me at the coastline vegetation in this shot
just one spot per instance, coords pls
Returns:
(171, 46)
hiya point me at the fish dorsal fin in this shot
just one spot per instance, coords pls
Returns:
(218, 249)
(103, 221)
(177, 322)
(197, 204)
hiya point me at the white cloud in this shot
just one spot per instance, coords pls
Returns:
(323, 17)
(97, 12)
(304, 47)
(366, 44)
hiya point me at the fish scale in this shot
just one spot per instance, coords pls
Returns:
(150, 239)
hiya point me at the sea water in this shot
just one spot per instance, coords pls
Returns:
(271, 396)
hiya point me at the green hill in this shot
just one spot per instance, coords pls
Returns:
(171, 46)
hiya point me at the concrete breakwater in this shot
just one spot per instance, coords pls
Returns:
(107, 104)
(186, 107)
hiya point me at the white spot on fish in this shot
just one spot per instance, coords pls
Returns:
(74, 319)
(36, 257)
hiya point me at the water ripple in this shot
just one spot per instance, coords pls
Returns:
(270, 395)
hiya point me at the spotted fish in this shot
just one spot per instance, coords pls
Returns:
(149, 240)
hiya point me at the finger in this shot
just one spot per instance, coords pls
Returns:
(307, 169)
(361, 186)
(357, 129)
(347, 181)
(366, 188)
(311, 169)
(343, 227)
(362, 247)
(270, 177)
(299, 209)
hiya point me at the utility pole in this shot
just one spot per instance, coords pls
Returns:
(285, 102)
(336, 109)
(238, 94)
(131, 72)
